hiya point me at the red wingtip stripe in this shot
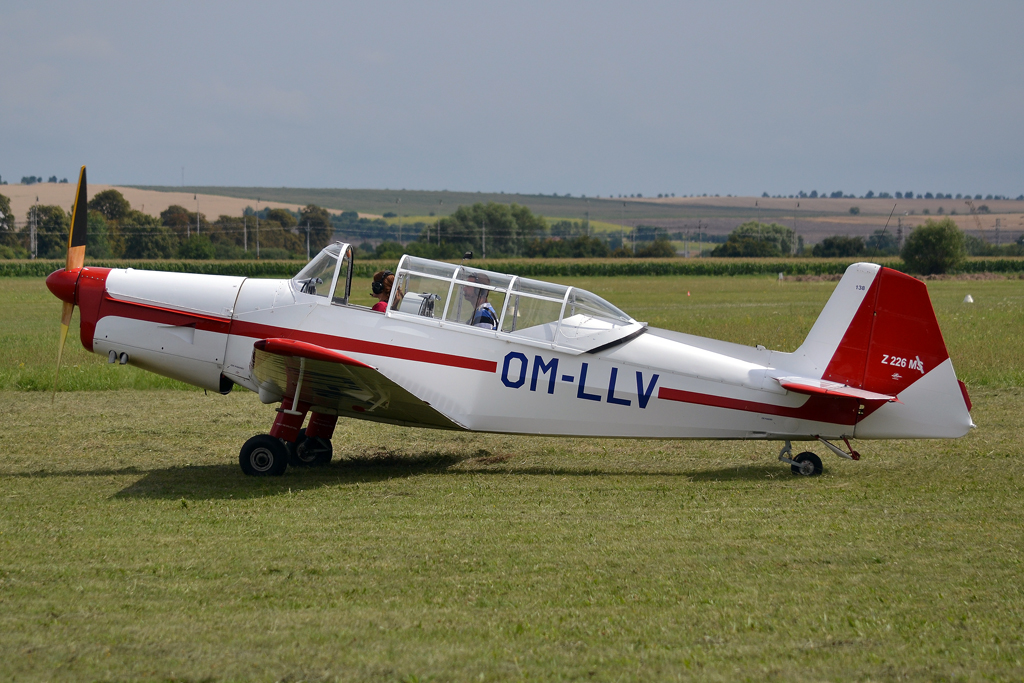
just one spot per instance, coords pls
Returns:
(301, 349)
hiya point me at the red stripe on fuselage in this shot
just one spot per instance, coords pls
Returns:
(163, 316)
(238, 328)
(247, 329)
(832, 409)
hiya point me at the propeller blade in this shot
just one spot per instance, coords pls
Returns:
(76, 258)
(65, 323)
(79, 221)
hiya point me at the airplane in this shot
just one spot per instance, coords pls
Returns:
(549, 359)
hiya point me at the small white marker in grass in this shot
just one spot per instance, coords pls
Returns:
(968, 299)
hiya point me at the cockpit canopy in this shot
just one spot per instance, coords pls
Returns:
(329, 274)
(521, 309)
(478, 301)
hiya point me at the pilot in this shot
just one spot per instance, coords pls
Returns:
(381, 286)
(483, 313)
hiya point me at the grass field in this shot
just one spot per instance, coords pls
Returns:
(131, 547)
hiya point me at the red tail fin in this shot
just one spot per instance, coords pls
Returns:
(893, 339)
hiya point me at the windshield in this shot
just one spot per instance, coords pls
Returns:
(318, 276)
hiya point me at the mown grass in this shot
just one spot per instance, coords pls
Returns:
(131, 547)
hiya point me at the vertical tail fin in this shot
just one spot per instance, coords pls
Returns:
(878, 332)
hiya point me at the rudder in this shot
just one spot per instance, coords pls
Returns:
(890, 344)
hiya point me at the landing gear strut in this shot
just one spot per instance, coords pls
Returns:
(310, 451)
(805, 464)
(268, 455)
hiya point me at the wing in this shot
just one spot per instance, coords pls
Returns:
(331, 382)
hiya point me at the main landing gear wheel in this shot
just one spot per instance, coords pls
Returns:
(263, 456)
(809, 465)
(310, 451)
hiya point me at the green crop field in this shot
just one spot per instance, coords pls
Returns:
(131, 546)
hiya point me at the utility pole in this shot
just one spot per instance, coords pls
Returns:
(439, 203)
(794, 224)
(307, 240)
(977, 221)
(623, 230)
(196, 197)
(245, 234)
(483, 242)
(257, 228)
(32, 229)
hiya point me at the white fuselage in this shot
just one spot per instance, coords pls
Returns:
(659, 384)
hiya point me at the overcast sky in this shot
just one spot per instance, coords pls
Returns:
(588, 98)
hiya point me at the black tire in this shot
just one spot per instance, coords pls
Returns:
(310, 452)
(293, 447)
(263, 456)
(814, 462)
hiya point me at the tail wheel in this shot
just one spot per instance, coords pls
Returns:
(809, 465)
(263, 456)
(310, 451)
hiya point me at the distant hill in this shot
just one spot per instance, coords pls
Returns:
(627, 211)
(814, 219)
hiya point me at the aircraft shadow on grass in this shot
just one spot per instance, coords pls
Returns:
(203, 482)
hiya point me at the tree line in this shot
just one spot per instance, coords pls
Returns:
(909, 194)
(116, 230)
(494, 230)
(937, 246)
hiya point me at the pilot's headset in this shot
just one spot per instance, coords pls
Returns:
(377, 286)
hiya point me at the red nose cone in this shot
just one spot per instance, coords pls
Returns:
(62, 284)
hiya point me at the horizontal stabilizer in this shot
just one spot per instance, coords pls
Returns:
(823, 387)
